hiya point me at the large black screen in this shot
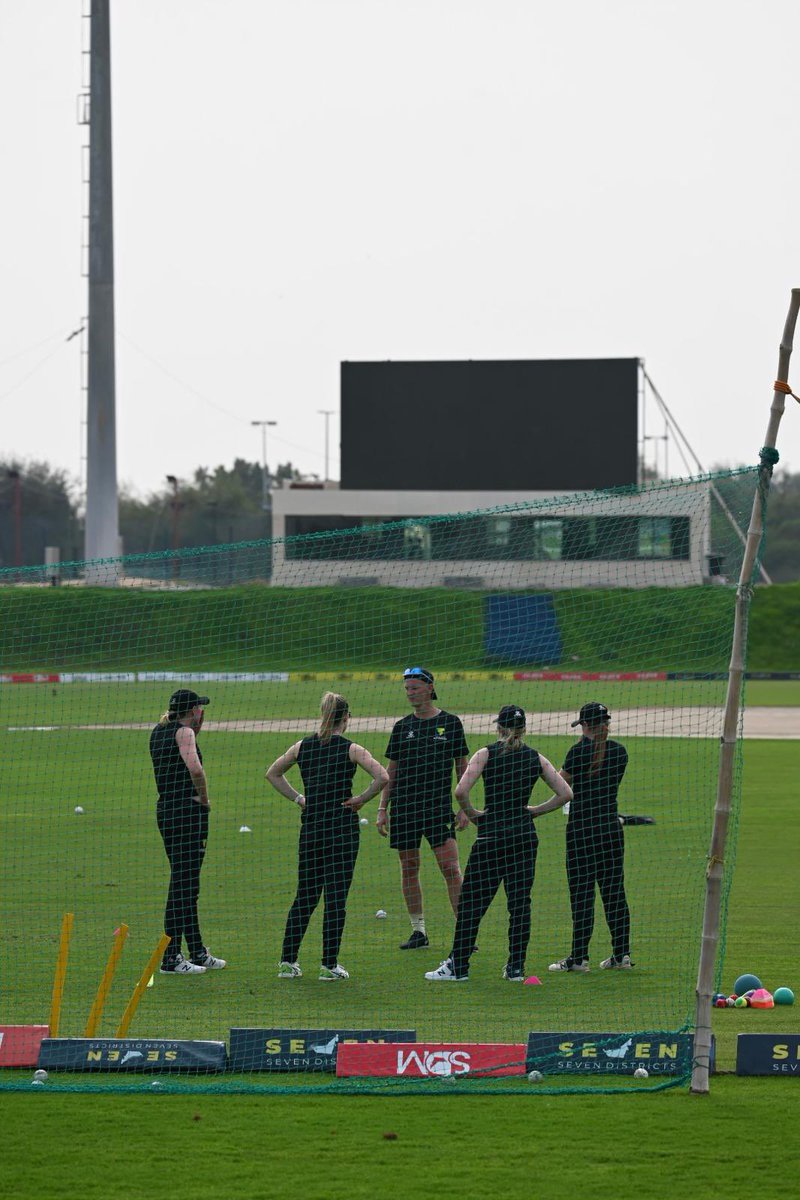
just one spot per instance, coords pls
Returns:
(559, 424)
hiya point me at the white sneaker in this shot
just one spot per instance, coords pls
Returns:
(513, 974)
(208, 962)
(330, 974)
(287, 970)
(570, 964)
(617, 964)
(180, 966)
(444, 973)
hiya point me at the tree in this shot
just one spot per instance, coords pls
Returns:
(216, 507)
(38, 508)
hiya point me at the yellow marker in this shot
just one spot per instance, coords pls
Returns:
(61, 973)
(144, 982)
(105, 983)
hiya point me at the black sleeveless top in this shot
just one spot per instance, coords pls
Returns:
(327, 780)
(508, 780)
(174, 783)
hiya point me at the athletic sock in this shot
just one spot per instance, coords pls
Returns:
(418, 923)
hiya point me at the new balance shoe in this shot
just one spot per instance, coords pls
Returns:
(417, 941)
(331, 974)
(623, 963)
(180, 966)
(570, 964)
(445, 973)
(513, 974)
(287, 970)
(209, 962)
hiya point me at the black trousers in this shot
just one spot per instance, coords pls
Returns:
(509, 860)
(596, 859)
(185, 833)
(326, 864)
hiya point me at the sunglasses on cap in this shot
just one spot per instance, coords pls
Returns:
(418, 673)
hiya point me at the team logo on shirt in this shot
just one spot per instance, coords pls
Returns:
(410, 734)
(440, 735)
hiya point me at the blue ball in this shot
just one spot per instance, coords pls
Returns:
(746, 983)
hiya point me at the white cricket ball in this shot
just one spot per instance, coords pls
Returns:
(364, 821)
(380, 914)
(39, 1076)
(78, 808)
(37, 1083)
(156, 1083)
(641, 1073)
(535, 1076)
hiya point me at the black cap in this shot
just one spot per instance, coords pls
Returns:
(511, 716)
(420, 673)
(184, 700)
(592, 714)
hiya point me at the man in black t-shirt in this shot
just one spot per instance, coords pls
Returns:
(423, 747)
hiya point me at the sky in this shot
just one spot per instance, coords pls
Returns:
(301, 182)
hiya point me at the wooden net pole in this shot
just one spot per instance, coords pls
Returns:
(716, 856)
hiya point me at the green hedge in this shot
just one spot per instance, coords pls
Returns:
(261, 628)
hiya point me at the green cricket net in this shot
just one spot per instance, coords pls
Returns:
(622, 598)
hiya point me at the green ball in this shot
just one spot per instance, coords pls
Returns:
(741, 1002)
(746, 983)
(783, 995)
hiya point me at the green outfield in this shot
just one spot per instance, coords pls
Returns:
(648, 1145)
(107, 866)
(142, 703)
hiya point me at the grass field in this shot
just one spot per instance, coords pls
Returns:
(108, 866)
(262, 628)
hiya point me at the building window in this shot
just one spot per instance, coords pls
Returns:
(493, 538)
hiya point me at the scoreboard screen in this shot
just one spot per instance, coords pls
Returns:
(540, 425)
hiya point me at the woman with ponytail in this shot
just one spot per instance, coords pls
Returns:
(329, 831)
(505, 849)
(594, 767)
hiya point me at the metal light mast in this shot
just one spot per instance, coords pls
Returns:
(102, 514)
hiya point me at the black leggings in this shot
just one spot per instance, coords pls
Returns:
(596, 858)
(512, 862)
(326, 864)
(185, 832)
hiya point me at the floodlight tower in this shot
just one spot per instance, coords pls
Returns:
(102, 513)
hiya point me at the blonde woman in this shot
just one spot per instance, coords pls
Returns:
(505, 849)
(329, 831)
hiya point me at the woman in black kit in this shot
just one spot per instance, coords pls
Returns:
(594, 767)
(329, 832)
(505, 847)
(182, 815)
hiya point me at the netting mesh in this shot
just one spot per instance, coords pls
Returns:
(624, 599)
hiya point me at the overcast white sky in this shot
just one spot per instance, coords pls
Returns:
(299, 182)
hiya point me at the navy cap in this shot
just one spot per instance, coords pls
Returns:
(511, 716)
(592, 714)
(184, 700)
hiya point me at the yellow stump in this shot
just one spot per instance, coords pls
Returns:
(105, 983)
(61, 973)
(133, 1003)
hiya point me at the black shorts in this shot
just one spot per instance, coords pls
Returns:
(409, 824)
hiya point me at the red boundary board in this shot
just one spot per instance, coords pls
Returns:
(421, 1060)
(19, 1044)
